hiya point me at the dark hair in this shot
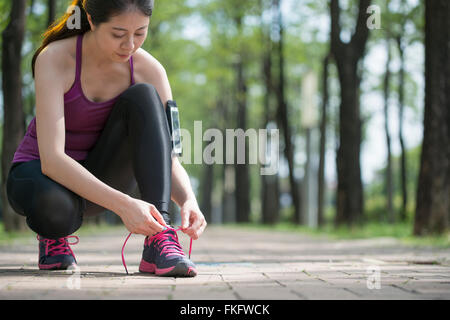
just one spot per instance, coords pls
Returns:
(99, 10)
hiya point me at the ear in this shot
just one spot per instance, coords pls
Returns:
(90, 21)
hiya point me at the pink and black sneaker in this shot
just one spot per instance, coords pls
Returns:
(56, 254)
(164, 256)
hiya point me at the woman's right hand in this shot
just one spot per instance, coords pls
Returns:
(141, 217)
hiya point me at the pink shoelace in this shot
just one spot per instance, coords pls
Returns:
(160, 237)
(61, 248)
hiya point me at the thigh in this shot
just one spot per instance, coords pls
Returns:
(110, 160)
(27, 185)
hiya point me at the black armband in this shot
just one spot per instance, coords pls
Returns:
(174, 126)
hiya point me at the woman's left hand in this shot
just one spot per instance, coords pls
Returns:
(192, 220)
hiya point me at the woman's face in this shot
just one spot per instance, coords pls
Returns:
(122, 35)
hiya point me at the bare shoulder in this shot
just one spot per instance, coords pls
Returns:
(147, 68)
(57, 60)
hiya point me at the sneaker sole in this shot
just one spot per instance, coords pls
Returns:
(55, 266)
(180, 270)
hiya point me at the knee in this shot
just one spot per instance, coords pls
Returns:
(55, 214)
(142, 94)
(143, 104)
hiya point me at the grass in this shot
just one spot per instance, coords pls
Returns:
(10, 237)
(400, 231)
(86, 230)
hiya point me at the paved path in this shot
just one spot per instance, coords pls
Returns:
(236, 264)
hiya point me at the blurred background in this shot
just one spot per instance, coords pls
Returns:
(354, 87)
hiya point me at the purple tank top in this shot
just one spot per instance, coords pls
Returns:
(84, 120)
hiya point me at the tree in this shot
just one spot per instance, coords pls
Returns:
(206, 194)
(404, 39)
(270, 205)
(51, 11)
(433, 192)
(347, 55)
(401, 103)
(323, 135)
(14, 119)
(241, 169)
(283, 119)
(386, 89)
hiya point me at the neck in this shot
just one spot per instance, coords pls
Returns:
(96, 57)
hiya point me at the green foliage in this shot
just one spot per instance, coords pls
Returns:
(199, 42)
(5, 8)
(399, 231)
(375, 205)
(14, 236)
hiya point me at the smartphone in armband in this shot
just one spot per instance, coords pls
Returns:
(174, 127)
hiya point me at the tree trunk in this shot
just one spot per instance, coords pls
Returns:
(388, 181)
(323, 139)
(228, 198)
(228, 172)
(51, 12)
(207, 189)
(433, 204)
(270, 205)
(242, 170)
(14, 119)
(284, 121)
(347, 55)
(401, 104)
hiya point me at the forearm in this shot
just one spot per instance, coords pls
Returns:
(181, 185)
(78, 179)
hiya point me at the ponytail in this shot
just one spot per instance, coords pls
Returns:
(59, 30)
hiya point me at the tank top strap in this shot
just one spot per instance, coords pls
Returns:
(132, 70)
(79, 54)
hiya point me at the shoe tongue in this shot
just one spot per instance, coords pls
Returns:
(170, 232)
(168, 229)
(163, 232)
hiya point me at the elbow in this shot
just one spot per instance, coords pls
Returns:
(44, 168)
(47, 165)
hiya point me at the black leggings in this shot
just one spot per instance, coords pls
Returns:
(134, 147)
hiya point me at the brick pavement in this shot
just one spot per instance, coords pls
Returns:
(235, 264)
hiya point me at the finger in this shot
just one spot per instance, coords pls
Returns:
(190, 225)
(152, 227)
(151, 231)
(158, 216)
(202, 228)
(197, 224)
(190, 232)
(184, 220)
(145, 229)
(156, 227)
(157, 219)
(193, 233)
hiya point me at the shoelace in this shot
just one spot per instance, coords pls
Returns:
(62, 248)
(160, 237)
(171, 248)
